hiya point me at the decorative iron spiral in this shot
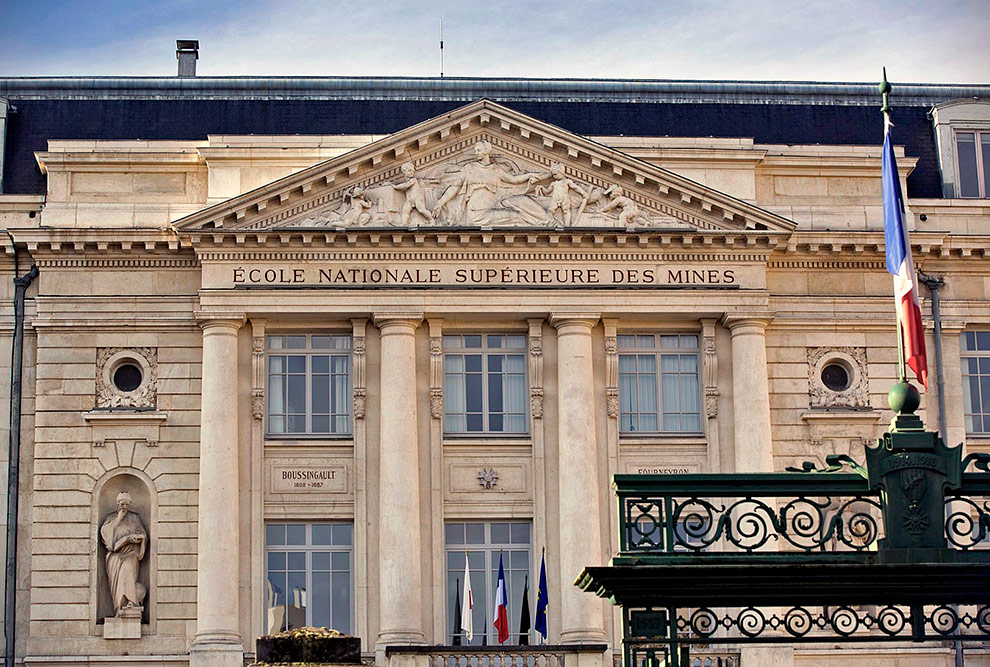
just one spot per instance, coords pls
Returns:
(983, 619)
(704, 622)
(751, 622)
(696, 521)
(943, 620)
(858, 527)
(798, 621)
(752, 524)
(844, 621)
(891, 621)
(961, 528)
(803, 522)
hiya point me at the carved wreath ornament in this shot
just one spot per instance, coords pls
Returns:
(488, 478)
(483, 188)
(144, 364)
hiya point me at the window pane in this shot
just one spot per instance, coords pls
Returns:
(343, 534)
(474, 533)
(321, 600)
(321, 533)
(296, 599)
(472, 341)
(295, 533)
(295, 561)
(276, 342)
(321, 561)
(500, 533)
(519, 533)
(982, 340)
(473, 393)
(969, 183)
(276, 560)
(454, 533)
(496, 341)
(275, 534)
(320, 342)
(985, 164)
(342, 601)
(295, 342)
(625, 341)
(321, 394)
(516, 342)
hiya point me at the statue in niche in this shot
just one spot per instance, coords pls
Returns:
(415, 195)
(126, 542)
(480, 182)
(559, 191)
(628, 211)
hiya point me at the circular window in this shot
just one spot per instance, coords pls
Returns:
(127, 377)
(835, 376)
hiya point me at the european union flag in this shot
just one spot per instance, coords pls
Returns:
(541, 600)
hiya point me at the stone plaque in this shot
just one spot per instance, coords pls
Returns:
(662, 468)
(308, 478)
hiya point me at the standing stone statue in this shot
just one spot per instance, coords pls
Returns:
(126, 542)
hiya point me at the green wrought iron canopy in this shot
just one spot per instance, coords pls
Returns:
(899, 550)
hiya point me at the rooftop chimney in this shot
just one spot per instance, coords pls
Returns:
(187, 53)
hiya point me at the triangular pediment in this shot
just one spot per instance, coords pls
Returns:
(484, 166)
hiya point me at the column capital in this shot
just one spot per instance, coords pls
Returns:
(397, 323)
(576, 322)
(211, 319)
(738, 323)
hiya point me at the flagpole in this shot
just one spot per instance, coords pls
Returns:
(885, 89)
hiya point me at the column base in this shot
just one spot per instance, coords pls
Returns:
(401, 638)
(216, 651)
(582, 636)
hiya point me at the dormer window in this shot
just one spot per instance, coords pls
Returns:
(962, 131)
(973, 153)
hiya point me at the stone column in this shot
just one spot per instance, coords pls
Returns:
(399, 544)
(750, 393)
(218, 640)
(581, 616)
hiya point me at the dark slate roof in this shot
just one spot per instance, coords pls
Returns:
(191, 109)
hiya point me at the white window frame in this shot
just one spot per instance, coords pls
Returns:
(657, 352)
(450, 349)
(308, 549)
(309, 352)
(982, 182)
(484, 581)
(972, 405)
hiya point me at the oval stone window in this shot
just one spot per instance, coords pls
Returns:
(835, 376)
(127, 377)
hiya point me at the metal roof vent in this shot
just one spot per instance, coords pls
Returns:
(187, 53)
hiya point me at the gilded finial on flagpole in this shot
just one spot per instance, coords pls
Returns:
(885, 89)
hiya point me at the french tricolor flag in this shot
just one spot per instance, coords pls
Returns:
(501, 614)
(901, 266)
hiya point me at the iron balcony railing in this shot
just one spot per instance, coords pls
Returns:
(792, 512)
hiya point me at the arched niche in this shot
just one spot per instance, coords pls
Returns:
(144, 501)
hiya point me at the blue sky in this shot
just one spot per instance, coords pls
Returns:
(836, 40)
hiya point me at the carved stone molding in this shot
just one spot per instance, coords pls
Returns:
(853, 360)
(436, 368)
(109, 360)
(536, 368)
(710, 367)
(611, 368)
(258, 377)
(359, 360)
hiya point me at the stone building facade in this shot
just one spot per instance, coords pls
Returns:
(329, 366)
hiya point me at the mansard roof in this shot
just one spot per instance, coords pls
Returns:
(166, 108)
(532, 174)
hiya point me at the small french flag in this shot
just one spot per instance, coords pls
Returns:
(501, 614)
(900, 264)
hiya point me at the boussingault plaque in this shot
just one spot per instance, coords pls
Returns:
(308, 478)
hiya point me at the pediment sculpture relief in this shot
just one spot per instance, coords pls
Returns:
(484, 190)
